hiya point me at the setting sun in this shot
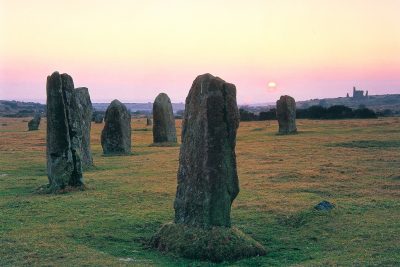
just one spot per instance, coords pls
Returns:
(272, 84)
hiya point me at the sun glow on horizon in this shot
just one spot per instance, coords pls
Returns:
(272, 84)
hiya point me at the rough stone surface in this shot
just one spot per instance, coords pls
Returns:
(163, 120)
(64, 134)
(207, 176)
(149, 121)
(324, 205)
(85, 118)
(98, 118)
(116, 135)
(286, 115)
(33, 124)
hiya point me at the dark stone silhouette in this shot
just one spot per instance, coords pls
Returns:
(149, 121)
(64, 134)
(207, 179)
(116, 135)
(359, 94)
(33, 124)
(207, 176)
(85, 118)
(163, 120)
(98, 118)
(286, 114)
(324, 206)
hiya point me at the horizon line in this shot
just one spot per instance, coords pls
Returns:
(43, 101)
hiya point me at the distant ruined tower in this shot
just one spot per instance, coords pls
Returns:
(347, 95)
(358, 94)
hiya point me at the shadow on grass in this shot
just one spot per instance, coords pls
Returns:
(165, 144)
(276, 134)
(142, 130)
(46, 189)
(286, 177)
(367, 144)
(258, 129)
(120, 236)
(321, 193)
(133, 153)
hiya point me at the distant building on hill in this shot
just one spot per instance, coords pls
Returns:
(359, 94)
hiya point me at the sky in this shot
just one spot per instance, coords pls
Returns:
(132, 50)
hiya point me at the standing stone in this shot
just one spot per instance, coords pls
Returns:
(207, 176)
(163, 120)
(98, 118)
(33, 124)
(149, 122)
(286, 114)
(116, 135)
(85, 118)
(207, 179)
(64, 134)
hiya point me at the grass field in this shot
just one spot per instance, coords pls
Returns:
(354, 164)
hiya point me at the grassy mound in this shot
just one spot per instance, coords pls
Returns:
(216, 244)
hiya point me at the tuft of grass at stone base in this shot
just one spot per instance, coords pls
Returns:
(217, 244)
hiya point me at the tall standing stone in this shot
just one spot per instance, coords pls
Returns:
(85, 117)
(207, 176)
(286, 114)
(33, 124)
(64, 134)
(207, 179)
(149, 121)
(116, 135)
(163, 120)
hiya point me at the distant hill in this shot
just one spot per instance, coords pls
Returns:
(377, 103)
(20, 109)
(374, 102)
(28, 109)
(135, 107)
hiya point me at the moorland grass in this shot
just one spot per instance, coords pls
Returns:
(281, 179)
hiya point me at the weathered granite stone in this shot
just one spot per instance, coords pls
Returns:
(324, 206)
(163, 120)
(207, 176)
(85, 118)
(64, 134)
(286, 114)
(116, 135)
(207, 179)
(98, 118)
(33, 124)
(149, 121)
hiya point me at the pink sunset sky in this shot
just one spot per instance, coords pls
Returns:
(132, 50)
